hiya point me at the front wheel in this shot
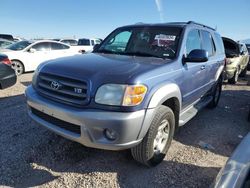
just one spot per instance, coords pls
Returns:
(154, 146)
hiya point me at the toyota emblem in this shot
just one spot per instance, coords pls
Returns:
(55, 85)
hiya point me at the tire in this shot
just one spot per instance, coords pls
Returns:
(216, 93)
(234, 80)
(244, 72)
(18, 67)
(154, 146)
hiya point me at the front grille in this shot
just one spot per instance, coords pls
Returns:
(69, 91)
(57, 122)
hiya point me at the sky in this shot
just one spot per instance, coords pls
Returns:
(97, 18)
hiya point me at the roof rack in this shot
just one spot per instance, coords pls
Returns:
(192, 22)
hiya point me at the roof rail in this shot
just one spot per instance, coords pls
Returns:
(192, 22)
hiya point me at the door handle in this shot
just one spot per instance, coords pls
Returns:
(203, 67)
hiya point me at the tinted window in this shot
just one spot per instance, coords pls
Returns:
(219, 44)
(58, 46)
(207, 42)
(92, 42)
(193, 41)
(43, 46)
(84, 42)
(19, 45)
(8, 37)
(144, 41)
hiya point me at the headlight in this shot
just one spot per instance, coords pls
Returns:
(34, 78)
(120, 95)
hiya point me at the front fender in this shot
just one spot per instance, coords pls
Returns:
(161, 95)
(164, 93)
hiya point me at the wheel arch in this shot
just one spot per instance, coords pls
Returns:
(167, 95)
(20, 62)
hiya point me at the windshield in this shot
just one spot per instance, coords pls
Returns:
(19, 45)
(160, 41)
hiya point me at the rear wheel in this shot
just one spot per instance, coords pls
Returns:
(234, 80)
(216, 94)
(18, 67)
(154, 146)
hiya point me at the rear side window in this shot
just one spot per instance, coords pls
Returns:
(57, 46)
(219, 44)
(43, 46)
(193, 41)
(207, 42)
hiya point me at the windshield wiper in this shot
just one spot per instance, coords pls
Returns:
(144, 54)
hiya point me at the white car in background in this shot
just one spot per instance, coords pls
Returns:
(86, 45)
(27, 55)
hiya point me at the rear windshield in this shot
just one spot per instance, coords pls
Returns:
(19, 45)
(231, 48)
(151, 41)
(84, 42)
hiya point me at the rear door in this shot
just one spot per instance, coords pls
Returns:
(194, 73)
(213, 63)
(37, 54)
(60, 50)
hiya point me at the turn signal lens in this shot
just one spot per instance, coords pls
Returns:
(134, 95)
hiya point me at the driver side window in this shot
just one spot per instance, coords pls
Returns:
(193, 41)
(119, 43)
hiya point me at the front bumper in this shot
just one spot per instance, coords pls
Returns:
(91, 122)
(8, 81)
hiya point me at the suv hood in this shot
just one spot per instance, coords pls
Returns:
(107, 68)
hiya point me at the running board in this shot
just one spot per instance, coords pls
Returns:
(193, 110)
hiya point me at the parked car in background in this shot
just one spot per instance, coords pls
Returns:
(71, 42)
(237, 59)
(236, 172)
(248, 48)
(4, 43)
(86, 45)
(7, 74)
(7, 37)
(27, 55)
(137, 87)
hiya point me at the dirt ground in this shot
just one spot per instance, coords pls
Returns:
(30, 155)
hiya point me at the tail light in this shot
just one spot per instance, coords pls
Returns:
(6, 61)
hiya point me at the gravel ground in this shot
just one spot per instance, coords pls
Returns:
(30, 155)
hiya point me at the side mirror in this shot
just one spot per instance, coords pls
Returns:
(197, 55)
(32, 50)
